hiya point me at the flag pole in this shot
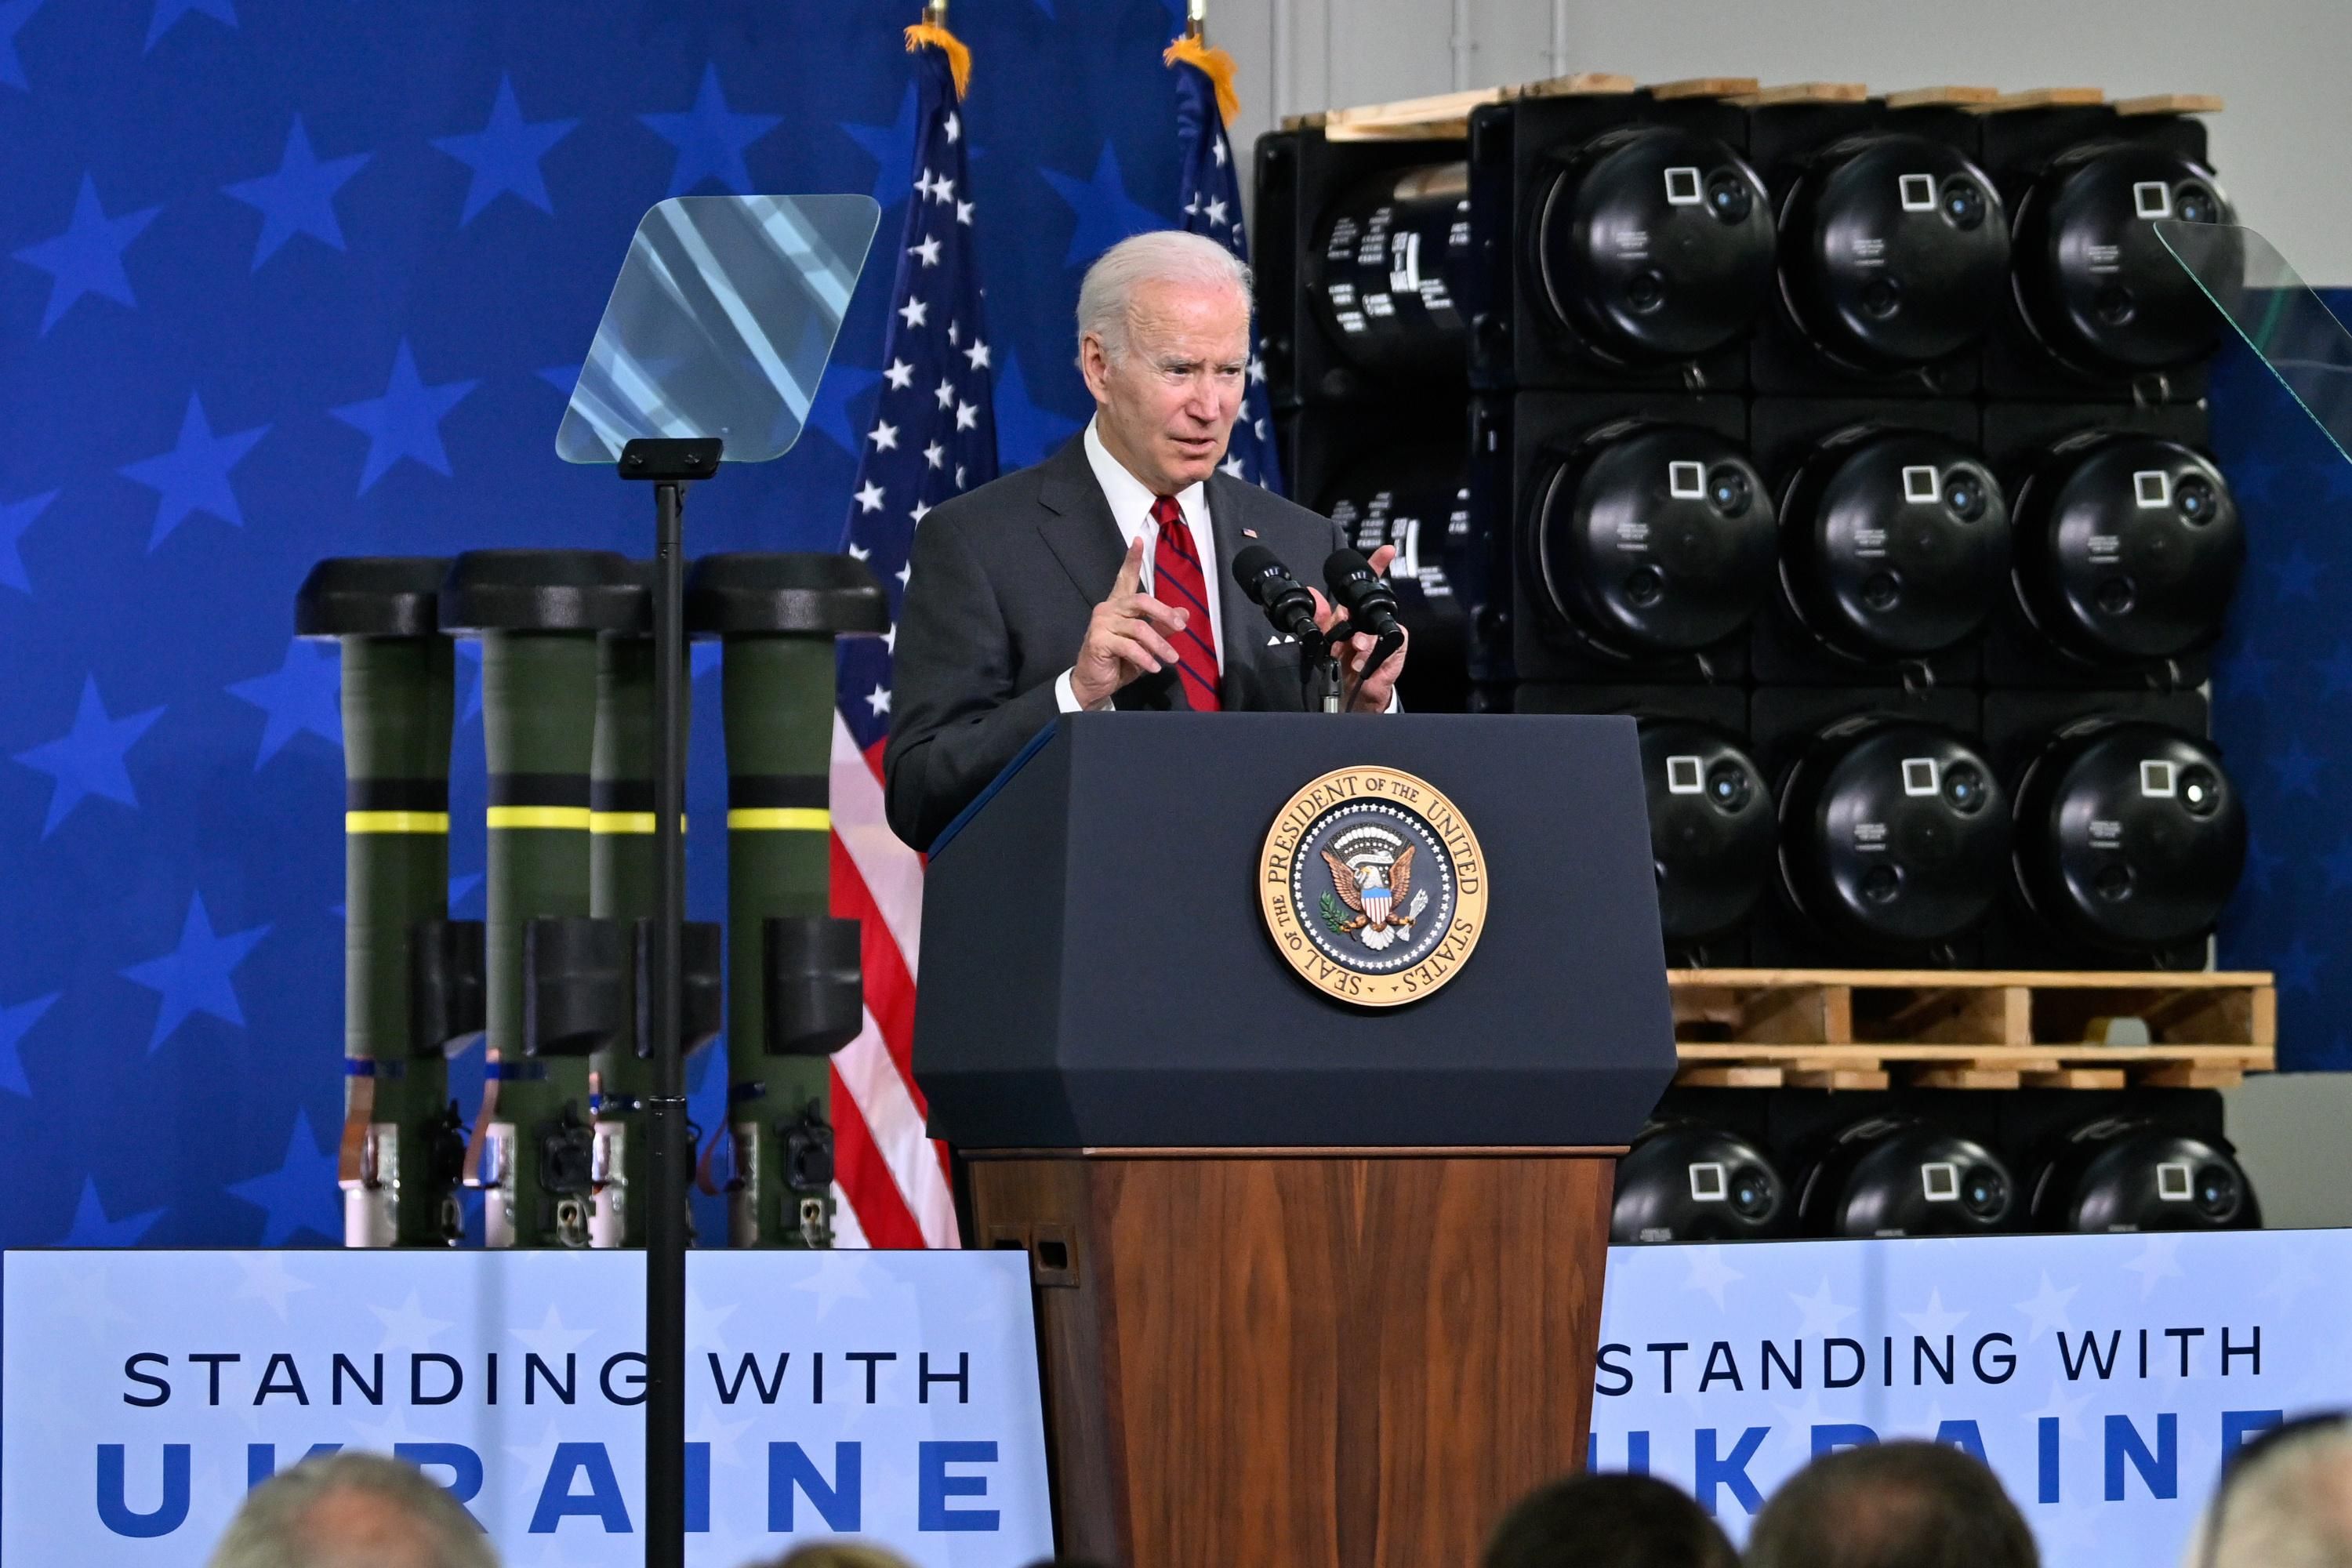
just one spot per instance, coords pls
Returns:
(1196, 20)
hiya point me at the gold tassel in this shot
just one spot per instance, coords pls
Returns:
(1217, 64)
(958, 55)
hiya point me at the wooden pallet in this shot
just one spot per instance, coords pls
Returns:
(1864, 1029)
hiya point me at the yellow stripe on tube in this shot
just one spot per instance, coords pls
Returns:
(781, 818)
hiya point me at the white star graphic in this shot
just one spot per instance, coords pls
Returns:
(381, 1436)
(702, 1322)
(1193, 207)
(959, 476)
(1217, 212)
(906, 575)
(978, 354)
(1708, 1272)
(407, 1328)
(832, 1279)
(946, 393)
(919, 512)
(923, 182)
(2067, 1411)
(1256, 368)
(951, 330)
(2157, 1260)
(266, 1280)
(2048, 1308)
(1217, 151)
(884, 435)
(721, 1435)
(935, 454)
(954, 127)
(1232, 465)
(879, 700)
(2295, 1276)
(942, 189)
(928, 250)
(537, 1455)
(914, 312)
(967, 416)
(870, 498)
(1934, 1320)
(1822, 1315)
(963, 212)
(858, 552)
(900, 375)
(83, 1298)
(552, 1340)
(890, 638)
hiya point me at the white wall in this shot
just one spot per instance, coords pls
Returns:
(2279, 148)
(2280, 65)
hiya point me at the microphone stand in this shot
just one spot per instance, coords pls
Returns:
(1322, 660)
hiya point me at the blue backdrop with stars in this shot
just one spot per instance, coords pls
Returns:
(2283, 705)
(281, 280)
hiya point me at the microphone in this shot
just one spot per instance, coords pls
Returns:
(1270, 586)
(1370, 603)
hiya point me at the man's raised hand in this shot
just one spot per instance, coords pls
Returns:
(1127, 637)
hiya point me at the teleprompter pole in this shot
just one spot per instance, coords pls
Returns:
(669, 464)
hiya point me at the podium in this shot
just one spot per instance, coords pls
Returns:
(1317, 1283)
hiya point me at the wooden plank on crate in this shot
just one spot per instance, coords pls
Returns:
(2039, 1058)
(2041, 979)
(1730, 1078)
(1704, 87)
(1839, 1077)
(2171, 103)
(2002, 1013)
(1312, 120)
(2074, 1078)
(1965, 1078)
(2048, 97)
(1578, 85)
(2188, 1074)
(1942, 97)
(1444, 116)
(1798, 1015)
(1802, 92)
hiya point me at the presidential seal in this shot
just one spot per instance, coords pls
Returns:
(1373, 886)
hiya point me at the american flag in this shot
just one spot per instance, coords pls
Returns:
(1213, 207)
(933, 435)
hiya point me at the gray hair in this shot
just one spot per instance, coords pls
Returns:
(274, 1528)
(1163, 255)
(2291, 1506)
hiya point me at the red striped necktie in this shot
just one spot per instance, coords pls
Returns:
(1178, 582)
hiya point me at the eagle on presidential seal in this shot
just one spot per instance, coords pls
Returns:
(1372, 874)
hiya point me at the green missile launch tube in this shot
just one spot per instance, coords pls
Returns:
(778, 616)
(401, 1142)
(538, 613)
(622, 868)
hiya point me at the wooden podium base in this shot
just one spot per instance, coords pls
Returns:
(1311, 1358)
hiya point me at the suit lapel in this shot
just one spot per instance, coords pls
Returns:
(1255, 675)
(1078, 528)
(1077, 525)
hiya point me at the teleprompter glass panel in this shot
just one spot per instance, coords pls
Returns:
(720, 324)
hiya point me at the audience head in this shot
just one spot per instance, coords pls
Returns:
(1608, 1521)
(352, 1509)
(2284, 1502)
(841, 1554)
(1892, 1505)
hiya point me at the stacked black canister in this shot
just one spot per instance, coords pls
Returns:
(1856, 446)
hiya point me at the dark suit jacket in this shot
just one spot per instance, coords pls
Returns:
(1003, 581)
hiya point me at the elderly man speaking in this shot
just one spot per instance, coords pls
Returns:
(1102, 577)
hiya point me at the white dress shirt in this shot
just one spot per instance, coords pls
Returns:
(1130, 507)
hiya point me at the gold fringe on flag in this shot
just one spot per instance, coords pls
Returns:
(958, 55)
(1217, 64)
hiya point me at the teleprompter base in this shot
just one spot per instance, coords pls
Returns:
(1315, 1358)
